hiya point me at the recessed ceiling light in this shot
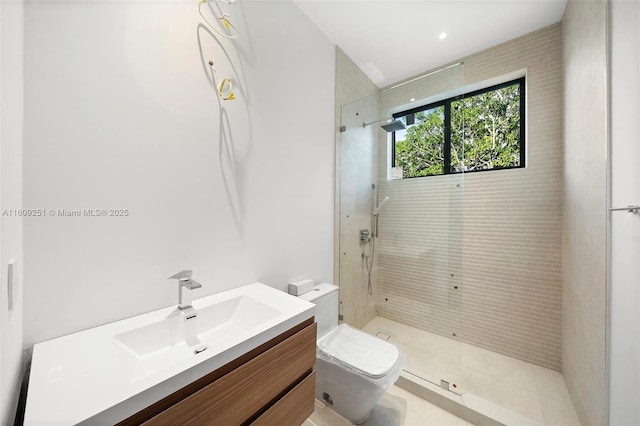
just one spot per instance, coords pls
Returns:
(412, 99)
(442, 36)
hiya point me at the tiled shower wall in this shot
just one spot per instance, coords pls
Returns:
(479, 257)
(584, 337)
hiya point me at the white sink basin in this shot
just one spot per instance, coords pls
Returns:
(188, 333)
(117, 369)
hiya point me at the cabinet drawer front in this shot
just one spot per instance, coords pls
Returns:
(237, 396)
(294, 408)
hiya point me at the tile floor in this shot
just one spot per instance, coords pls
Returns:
(396, 408)
(537, 393)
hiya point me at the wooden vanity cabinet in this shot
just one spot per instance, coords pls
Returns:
(273, 384)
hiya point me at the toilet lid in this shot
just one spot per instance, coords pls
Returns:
(359, 351)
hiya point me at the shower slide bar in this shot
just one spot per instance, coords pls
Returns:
(628, 209)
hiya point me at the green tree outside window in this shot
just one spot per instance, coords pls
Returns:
(485, 133)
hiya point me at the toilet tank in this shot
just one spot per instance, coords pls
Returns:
(325, 297)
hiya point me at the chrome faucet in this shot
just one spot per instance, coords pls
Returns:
(184, 280)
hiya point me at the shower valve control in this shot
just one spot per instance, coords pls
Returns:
(364, 236)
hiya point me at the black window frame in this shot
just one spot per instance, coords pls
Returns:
(446, 103)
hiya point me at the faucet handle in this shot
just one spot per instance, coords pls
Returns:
(182, 275)
(193, 284)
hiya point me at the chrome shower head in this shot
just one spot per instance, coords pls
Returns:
(393, 126)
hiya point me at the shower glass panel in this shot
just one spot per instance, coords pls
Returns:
(401, 277)
(450, 233)
(357, 174)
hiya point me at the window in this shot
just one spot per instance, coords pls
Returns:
(481, 130)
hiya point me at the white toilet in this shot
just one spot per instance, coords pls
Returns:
(353, 369)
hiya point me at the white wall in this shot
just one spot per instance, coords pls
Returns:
(584, 230)
(11, 109)
(625, 227)
(120, 113)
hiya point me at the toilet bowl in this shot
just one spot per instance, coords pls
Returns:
(353, 369)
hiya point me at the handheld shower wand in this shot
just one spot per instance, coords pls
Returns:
(376, 214)
(369, 261)
(376, 211)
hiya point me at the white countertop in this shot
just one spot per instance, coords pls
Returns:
(92, 377)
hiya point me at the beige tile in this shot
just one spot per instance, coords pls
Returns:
(522, 376)
(548, 382)
(420, 412)
(559, 412)
(475, 381)
(496, 412)
(490, 363)
(528, 390)
(515, 398)
(390, 410)
(396, 408)
(556, 403)
(325, 416)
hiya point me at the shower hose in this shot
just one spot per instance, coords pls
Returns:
(370, 265)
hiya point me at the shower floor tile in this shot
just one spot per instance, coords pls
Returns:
(535, 392)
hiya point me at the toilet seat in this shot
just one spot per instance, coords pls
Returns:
(355, 350)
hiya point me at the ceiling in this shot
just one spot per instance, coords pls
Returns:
(392, 40)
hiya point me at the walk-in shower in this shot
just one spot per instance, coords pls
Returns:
(438, 260)
(408, 266)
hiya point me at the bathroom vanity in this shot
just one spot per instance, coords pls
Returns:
(272, 384)
(244, 356)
